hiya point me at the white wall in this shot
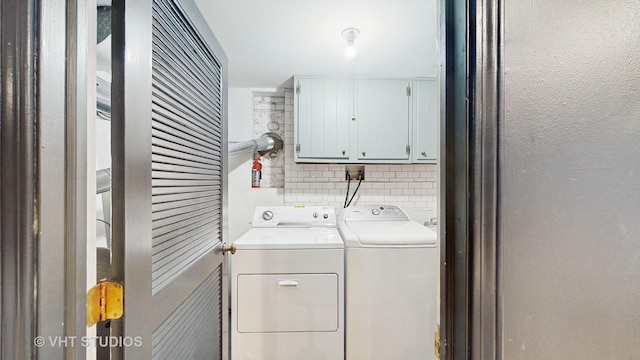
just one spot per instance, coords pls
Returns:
(242, 198)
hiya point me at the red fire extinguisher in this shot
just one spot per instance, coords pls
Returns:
(256, 173)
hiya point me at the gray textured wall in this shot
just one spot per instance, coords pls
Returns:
(570, 180)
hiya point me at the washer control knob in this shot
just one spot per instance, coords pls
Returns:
(267, 215)
(375, 212)
(315, 215)
(325, 216)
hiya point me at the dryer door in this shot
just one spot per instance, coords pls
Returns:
(287, 302)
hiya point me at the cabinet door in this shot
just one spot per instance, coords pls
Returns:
(426, 121)
(322, 116)
(382, 116)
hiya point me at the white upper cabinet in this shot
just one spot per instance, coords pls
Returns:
(383, 109)
(425, 122)
(323, 113)
(365, 120)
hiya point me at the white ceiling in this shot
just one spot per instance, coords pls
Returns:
(267, 42)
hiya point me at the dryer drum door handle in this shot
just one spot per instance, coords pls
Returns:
(288, 283)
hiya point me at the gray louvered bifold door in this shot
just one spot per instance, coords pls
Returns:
(169, 141)
(187, 187)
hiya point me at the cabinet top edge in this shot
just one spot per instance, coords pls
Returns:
(332, 77)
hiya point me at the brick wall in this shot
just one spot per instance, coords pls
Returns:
(268, 116)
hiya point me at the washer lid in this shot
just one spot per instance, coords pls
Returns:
(290, 238)
(392, 233)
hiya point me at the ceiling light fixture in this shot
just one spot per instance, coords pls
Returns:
(350, 34)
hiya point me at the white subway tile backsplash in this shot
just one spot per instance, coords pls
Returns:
(411, 186)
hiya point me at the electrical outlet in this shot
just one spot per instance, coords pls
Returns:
(355, 172)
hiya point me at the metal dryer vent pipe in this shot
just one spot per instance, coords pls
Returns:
(103, 23)
(262, 143)
(103, 181)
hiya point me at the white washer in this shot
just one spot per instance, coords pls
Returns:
(391, 269)
(287, 286)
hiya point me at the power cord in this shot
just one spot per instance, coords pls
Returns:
(346, 204)
(102, 221)
(355, 192)
(347, 196)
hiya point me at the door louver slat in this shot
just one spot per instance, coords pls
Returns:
(188, 333)
(168, 226)
(186, 144)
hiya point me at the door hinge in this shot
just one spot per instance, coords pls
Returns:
(105, 301)
(408, 90)
(436, 342)
(298, 89)
(297, 148)
(408, 149)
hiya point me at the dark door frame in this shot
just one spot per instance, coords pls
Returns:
(43, 178)
(471, 35)
(18, 178)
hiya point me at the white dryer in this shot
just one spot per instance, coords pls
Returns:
(391, 268)
(287, 286)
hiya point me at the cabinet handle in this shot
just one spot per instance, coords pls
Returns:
(288, 283)
(424, 153)
(343, 152)
(364, 153)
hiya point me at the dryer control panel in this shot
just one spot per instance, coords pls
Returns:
(375, 212)
(294, 216)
